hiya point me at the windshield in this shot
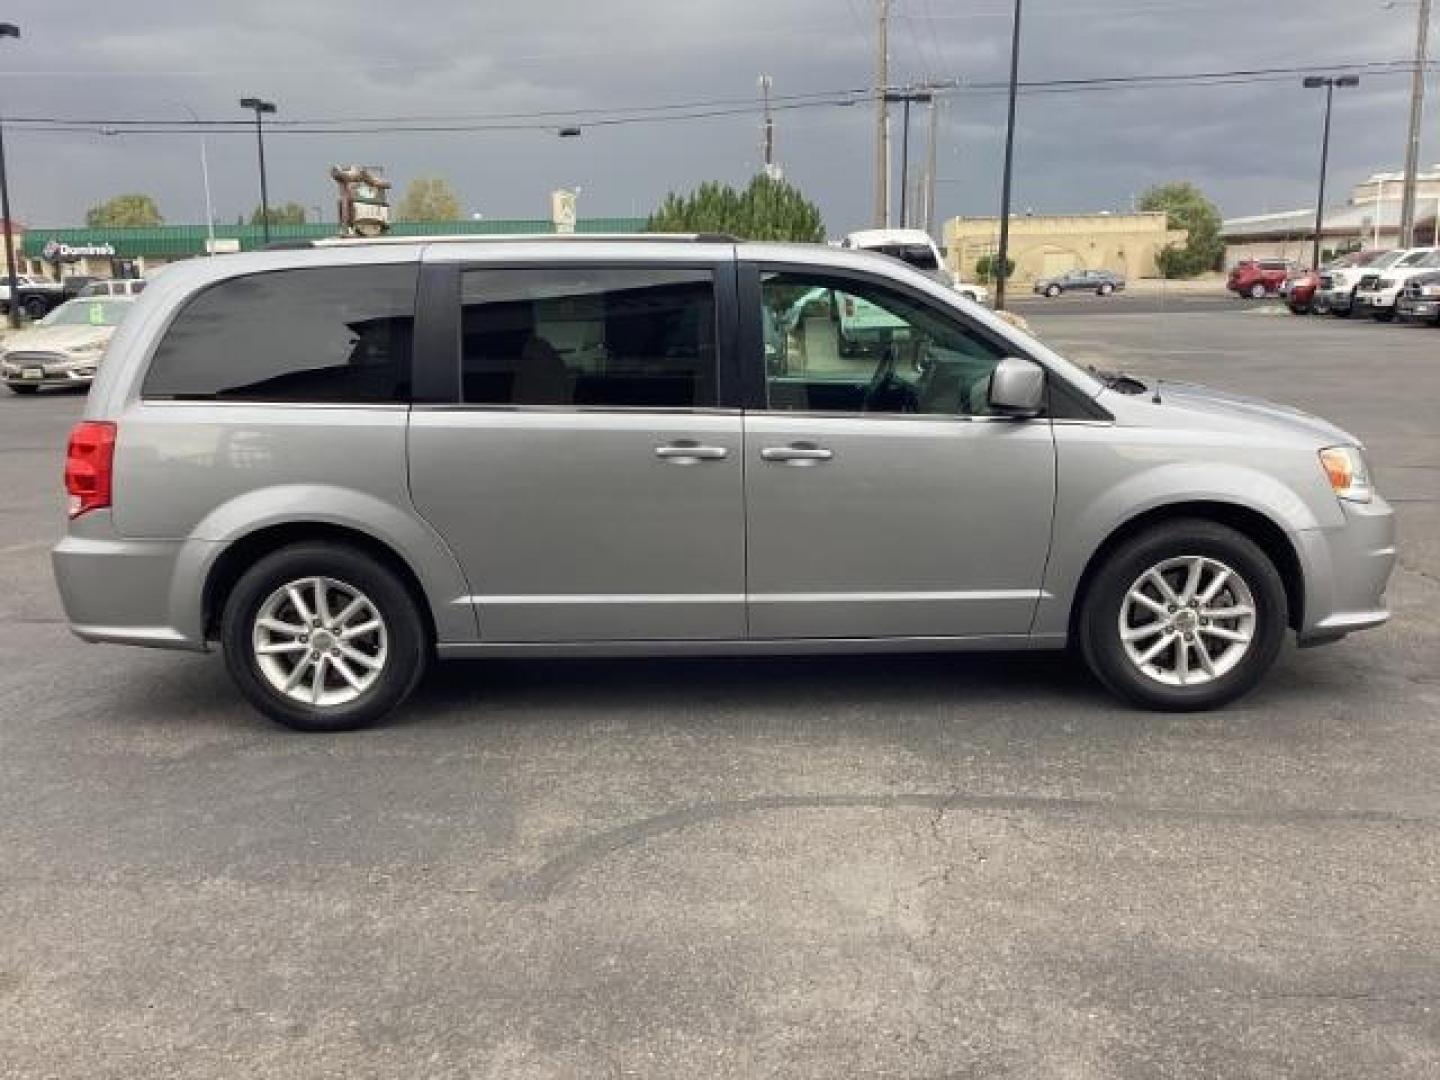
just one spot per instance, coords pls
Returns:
(92, 312)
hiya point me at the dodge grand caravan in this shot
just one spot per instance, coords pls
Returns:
(338, 463)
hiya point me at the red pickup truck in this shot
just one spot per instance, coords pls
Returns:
(1257, 278)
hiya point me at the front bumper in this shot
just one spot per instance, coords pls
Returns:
(1346, 570)
(1423, 308)
(1376, 301)
(1337, 298)
(71, 371)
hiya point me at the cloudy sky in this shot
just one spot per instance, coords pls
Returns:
(1252, 147)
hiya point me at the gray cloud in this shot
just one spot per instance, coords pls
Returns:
(1252, 147)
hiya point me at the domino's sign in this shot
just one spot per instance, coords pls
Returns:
(55, 251)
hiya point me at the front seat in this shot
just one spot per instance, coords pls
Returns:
(542, 378)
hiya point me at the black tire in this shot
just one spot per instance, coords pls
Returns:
(1099, 622)
(1053, 291)
(1383, 314)
(1105, 290)
(18, 388)
(35, 308)
(1258, 291)
(407, 647)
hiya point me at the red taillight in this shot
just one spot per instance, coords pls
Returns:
(89, 465)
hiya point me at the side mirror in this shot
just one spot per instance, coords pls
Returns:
(1017, 388)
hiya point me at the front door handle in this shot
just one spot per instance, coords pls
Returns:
(796, 454)
(686, 452)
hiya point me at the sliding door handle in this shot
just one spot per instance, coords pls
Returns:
(796, 454)
(684, 452)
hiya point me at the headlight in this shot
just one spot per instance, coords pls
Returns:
(1349, 477)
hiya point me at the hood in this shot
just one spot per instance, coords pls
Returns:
(1221, 403)
(56, 338)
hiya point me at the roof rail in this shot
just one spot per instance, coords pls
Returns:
(511, 238)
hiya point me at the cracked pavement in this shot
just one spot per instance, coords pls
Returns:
(964, 866)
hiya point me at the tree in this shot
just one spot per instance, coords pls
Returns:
(987, 267)
(768, 209)
(292, 213)
(428, 198)
(124, 212)
(1186, 207)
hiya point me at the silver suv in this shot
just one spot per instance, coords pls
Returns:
(339, 462)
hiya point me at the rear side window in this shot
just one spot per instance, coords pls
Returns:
(333, 334)
(597, 337)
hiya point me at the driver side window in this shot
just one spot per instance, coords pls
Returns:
(845, 345)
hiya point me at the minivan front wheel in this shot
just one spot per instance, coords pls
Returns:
(321, 637)
(1188, 615)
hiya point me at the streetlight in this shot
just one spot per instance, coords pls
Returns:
(260, 108)
(1003, 255)
(205, 179)
(1329, 82)
(8, 30)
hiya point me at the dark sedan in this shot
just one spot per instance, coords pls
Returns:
(1100, 282)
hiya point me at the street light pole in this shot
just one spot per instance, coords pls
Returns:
(205, 179)
(1329, 82)
(260, 108)
(8, 30)
(1003, 255)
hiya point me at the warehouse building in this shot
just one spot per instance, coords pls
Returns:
(1045, 245)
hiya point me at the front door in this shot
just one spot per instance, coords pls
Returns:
(883, 498)
(587, 481)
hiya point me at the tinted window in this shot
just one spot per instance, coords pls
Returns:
(617, 338)
(337, 334)
(846, 345)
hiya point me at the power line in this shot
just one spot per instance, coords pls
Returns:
(547, 120)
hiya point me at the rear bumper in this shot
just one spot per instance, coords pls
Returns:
(1376, 300)
(1346, 571)
(1425, 309)
(131, 592)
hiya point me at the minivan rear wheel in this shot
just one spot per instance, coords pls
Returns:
(1188, 615)
(321, 637)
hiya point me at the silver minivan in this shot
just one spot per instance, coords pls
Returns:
(340, 462)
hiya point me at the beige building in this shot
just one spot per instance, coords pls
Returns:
(1043, 246)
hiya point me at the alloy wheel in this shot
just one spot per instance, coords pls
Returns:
(320, 641)
(1187, 621)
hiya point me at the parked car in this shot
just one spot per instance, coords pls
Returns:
(1298, 290)
(915, 247)
(339, 462)
(1379, 289)
(1100, 282)
(1419, 300)
(63, 348)
(1340, 279)
(36, 296)
(1257, 278)
(115, 287)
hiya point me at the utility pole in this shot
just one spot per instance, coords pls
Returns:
(882, 114)
(928, 217)
(1417, 111)
(907, 97)
(1003, 254)
(9, 30)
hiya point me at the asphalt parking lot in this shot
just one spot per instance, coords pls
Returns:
(914, 867)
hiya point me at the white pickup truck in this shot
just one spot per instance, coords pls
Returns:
(1379, 288)
(915, 248)
(36, 295)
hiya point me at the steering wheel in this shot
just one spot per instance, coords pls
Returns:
(881, 379)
